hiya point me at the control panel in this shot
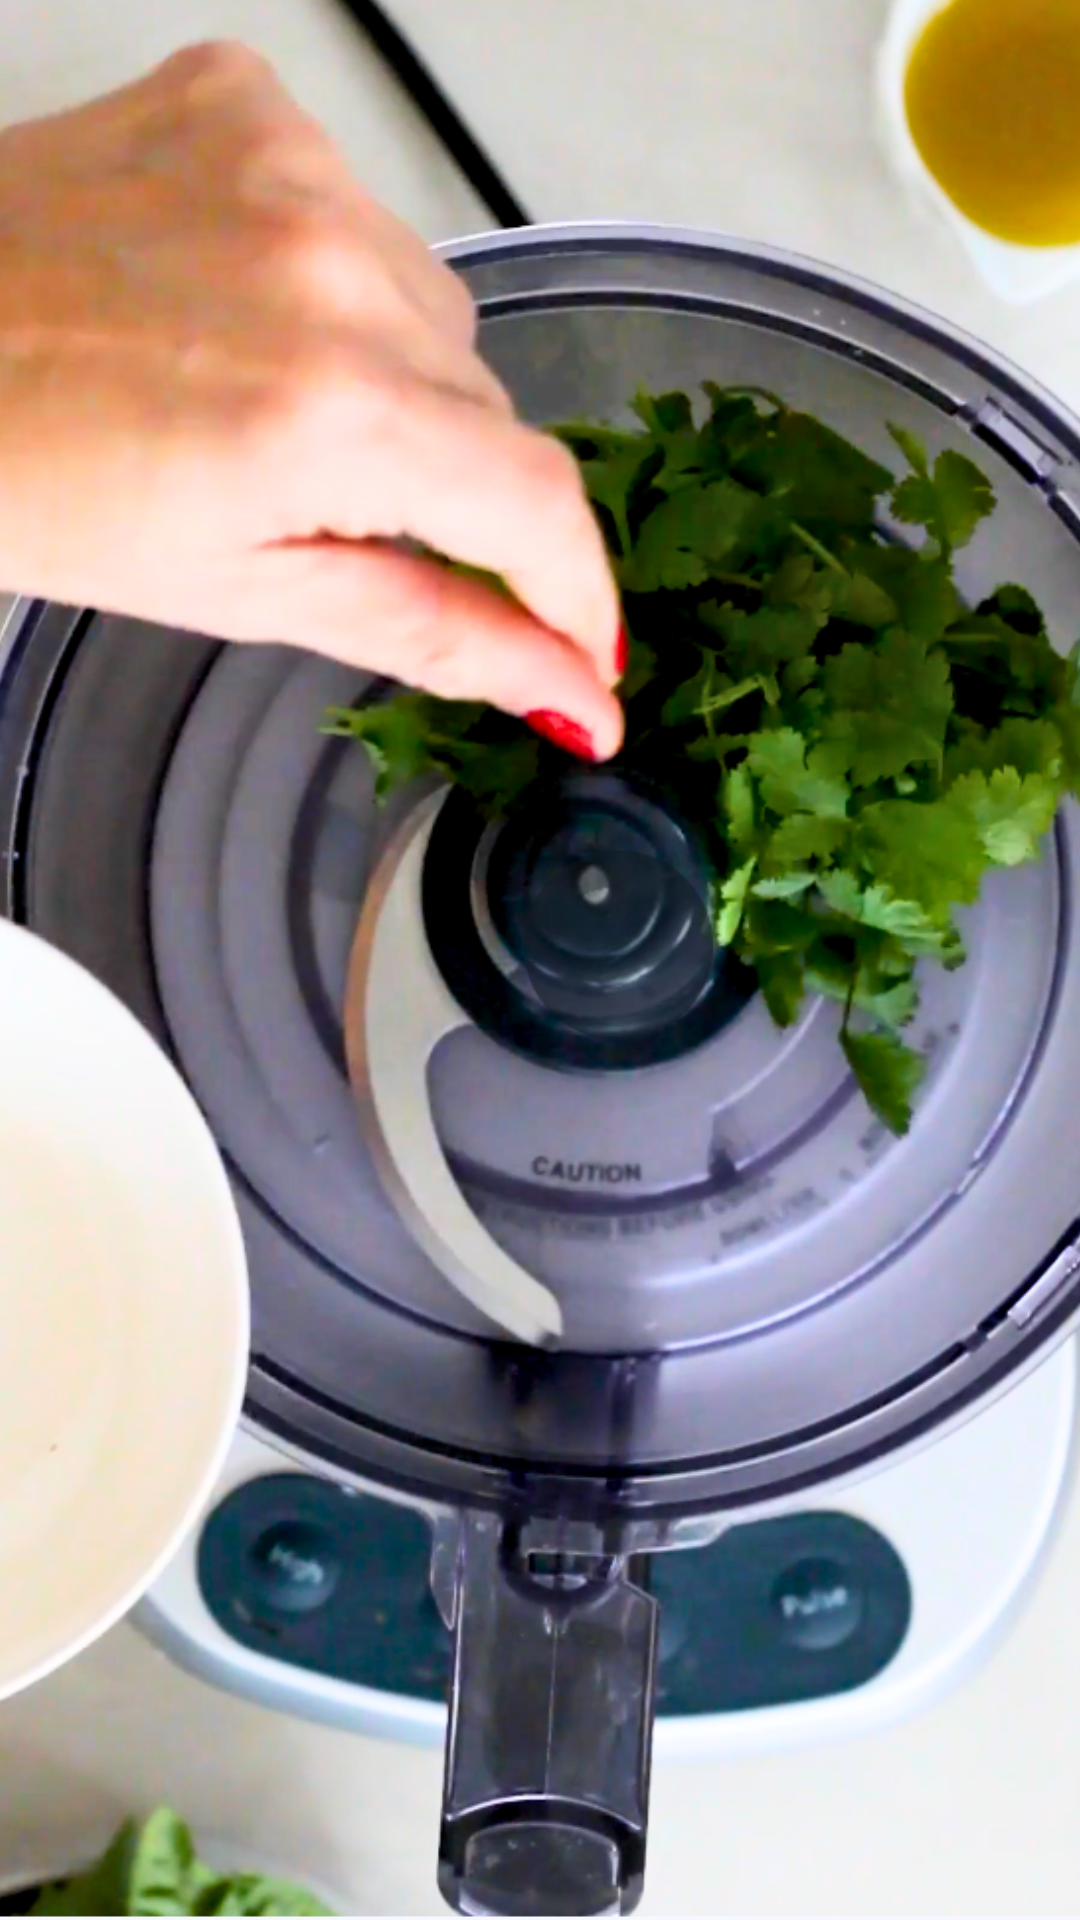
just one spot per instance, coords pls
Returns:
(838, 1613)
(336, 1582)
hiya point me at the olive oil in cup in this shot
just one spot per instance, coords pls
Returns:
(980, 107)
(993, 102)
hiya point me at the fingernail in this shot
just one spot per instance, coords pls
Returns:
(562, 733)
(622, 652)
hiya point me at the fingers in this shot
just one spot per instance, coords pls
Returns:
(473, 482)
(411, 619)
(333, 245)
(210, 69)
(225, 93)
(448, 463)
(357, 405)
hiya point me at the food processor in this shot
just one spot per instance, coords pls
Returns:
(587, 1280)
(837, 1614)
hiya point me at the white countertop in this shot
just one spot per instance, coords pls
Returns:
(752, 116)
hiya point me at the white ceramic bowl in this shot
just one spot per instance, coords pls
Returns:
(1015, 273)
(123, 1309)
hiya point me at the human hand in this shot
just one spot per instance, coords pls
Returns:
(229, 381)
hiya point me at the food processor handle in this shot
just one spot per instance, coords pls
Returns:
(545, 1799)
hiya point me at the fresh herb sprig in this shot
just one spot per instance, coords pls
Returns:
(855, 746)
(152, 1867)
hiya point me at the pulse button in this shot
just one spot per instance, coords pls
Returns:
(294, 1566)
(817, 1604)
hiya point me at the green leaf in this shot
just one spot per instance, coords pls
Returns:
(920, 588)
(821, 477)
(663, 413)
(832, 965)
(912, 448)
(894, 701)
(714, 747)
(798, 582)
(906, 922)
(682, 463)
(858, 598)
(739, 808)
(865, 971)
(688, 700)
(726, 691)
(1066, 719)
(842, 892)
(780, 977)
(685, 451)
(1011, 811)
(776, 926)
(928, 852)
(687, 535)
(733, 894)
(1004, 661)
(888, 1000)
(1017, 607)
(396, 734)
(1030, 746)
(762, 641)
(711, 692)
(888, 1073)
(793, 781)
(494, 774)
(102, 1888)
(949, 503)
(163, 1868)
(804, 836)
(414, 735)
(251, 1893)
(735, 425)
(879, 907)
(154, 1869)
(588, 438)
(610, 482)
(783, 886)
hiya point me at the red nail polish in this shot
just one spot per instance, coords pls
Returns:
(562, 733)
(622, 652)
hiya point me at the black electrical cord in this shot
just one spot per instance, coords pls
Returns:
(442, 117)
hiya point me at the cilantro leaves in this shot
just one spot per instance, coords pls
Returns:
(892, 700)
(888, 1073)
(416, 735)
(949, 501)
(855, 746)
